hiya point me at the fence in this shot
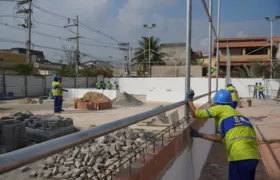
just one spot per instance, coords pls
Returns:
(21, 86)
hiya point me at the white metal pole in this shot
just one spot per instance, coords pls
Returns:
(149, 51)
(271, 47)
(218, 48)
(210, 53)
(188, 53)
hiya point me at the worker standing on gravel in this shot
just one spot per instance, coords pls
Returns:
(116, 85)
(261, 89)
(56, 94)
(234, 95)
(235, 132)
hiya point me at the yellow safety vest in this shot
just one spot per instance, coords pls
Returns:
(261, 88)
(234, 94)
(55, 88)
(235, 130)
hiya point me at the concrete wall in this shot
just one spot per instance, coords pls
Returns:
(175, 71)
(78, 93)
(190, 162)
(173, 89)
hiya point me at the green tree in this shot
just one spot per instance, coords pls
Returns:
(255, 70)
(66, 71)
(26, 69)
(87, 72)
(142, 52)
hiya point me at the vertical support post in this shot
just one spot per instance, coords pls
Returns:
(188, 53)
(218, 48)
(150, 52)
(25, 84)
(271, 48)
(29, 24)
(77, 51)
(210, 53)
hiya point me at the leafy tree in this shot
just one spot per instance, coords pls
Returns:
(255, 70)
(142, 52)
(66, 71)
(26, 69)
(88, 72)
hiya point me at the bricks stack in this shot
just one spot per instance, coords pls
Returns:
(88, 160)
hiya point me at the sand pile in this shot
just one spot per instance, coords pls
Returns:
(90, 96)
(126, 99)
(27, 101)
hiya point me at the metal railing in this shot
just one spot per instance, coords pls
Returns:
(21, 157)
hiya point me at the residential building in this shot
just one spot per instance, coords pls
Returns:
(276, 41)
(36, 56)
(96, 64)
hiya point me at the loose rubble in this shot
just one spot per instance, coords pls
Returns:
(86, 161)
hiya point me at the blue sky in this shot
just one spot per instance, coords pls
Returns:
(124, 19)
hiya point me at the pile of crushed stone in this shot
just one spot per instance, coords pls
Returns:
(90, 96)
(125, 99)
(27, 101)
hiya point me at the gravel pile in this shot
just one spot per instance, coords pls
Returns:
(90, 96)
(86, 161)
(27, 101)
(125, 99)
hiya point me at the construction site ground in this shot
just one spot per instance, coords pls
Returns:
(265, 115)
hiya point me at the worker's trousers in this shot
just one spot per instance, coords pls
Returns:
(261, 95)
(57, 104)
(242, 170)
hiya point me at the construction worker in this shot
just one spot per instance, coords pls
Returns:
(261, 89)
(235, 132)
(56, 93)
(256, 87)
(97, 85)
(116, 85)
(109, 85)
(234, 95)
(61, 93)
(102, 85)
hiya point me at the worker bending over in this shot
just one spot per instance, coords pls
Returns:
(261, 89)
(234, 95)
(235, 132)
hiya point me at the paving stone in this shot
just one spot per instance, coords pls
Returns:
(127, 149)
(112, 149)
(89, 175)
(128, 142)
(76, 153)
(63, 169)
(24, 169)
(98, 160)
(82, 155)
(83, 175)
(55, 171)
(40, 171)
(59, 176)
(49, 161)
(33, 173)
(77, 164)
(77, 171)
(69, 163)
(87, 158)
(91, 161)
(95, 168)
(47, 174)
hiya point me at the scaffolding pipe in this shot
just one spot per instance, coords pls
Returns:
(210, 54)
(188, 53)
(25, 156)
(209, 16)
(218, 47)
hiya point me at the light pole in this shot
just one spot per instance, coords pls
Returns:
(149, 28)
(271, 20)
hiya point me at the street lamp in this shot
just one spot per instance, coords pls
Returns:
(271, 20)
(149, 28)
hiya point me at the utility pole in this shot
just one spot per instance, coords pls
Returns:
(27, 25)
(149, 29)
(125, 47)
(77, 51)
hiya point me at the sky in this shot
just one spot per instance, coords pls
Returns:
(123, 20)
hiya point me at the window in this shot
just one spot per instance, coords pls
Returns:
(233, 51)
(256, 51)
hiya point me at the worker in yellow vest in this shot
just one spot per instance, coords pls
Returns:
(61, 93)
(261, 89)
(235, 131)
(234, 95)
(56, 93)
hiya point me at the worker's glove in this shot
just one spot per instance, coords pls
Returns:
(195, 133)
(190, 95)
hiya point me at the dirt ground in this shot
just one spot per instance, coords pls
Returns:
(216, 167)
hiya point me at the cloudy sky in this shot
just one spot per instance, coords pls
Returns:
(122, 20)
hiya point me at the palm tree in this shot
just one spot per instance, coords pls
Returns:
(255, 70)
(142, 52)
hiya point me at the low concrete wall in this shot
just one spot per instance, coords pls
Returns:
(78, 93)
(190, 162)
